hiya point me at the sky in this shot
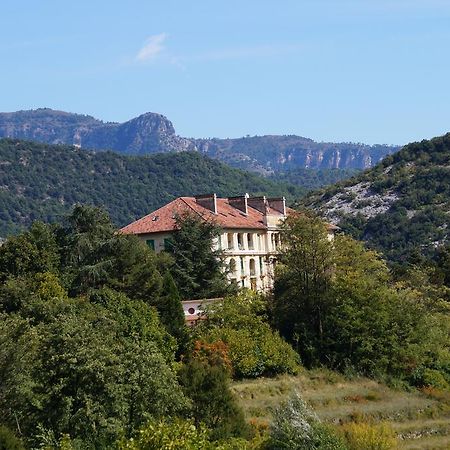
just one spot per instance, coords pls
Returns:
(373, 71)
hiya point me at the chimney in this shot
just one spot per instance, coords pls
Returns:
(239, 202)
(258, 203)
(278, 204)
(208, 201)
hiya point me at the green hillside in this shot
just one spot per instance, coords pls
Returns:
(42, 182)
(401, 206)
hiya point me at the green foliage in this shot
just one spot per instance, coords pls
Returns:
(302, 283)
(177, 434)
(254, 348)
(295, 426)
(339, 304)
(206, 381)
(197, 268)
(171, 313)
(8, 440)
(364, 436)
(81, 353)
(43, 182)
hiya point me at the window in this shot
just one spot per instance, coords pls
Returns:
(242, 266)
(261, 266)
(250, 244)
(150, 243)
(168, 244)
(240, 241)
(230, 241)
(232, 266)
(252, 268)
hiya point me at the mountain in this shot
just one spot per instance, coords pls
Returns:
(152, 133)
(42, 182)
(401, 206)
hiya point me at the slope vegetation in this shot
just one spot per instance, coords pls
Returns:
(39, 181)
(400, 207)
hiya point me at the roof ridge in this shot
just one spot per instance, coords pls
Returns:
(189, 206)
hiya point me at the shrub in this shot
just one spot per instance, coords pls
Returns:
(254, 348)
(295, 426)
(364, 436)
(8, 440)
(177, 434)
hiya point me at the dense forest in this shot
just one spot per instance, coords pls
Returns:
(400, 207)
(94, 351)
(42, 182)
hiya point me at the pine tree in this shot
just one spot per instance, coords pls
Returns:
(198, 268)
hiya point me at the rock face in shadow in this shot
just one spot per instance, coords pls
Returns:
(152, 133)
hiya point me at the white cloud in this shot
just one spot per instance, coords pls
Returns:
(153, 46)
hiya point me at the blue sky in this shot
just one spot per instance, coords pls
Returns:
(338, 70)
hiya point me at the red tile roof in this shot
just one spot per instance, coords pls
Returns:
(163, 219)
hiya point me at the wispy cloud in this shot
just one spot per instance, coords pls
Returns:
(153, 47)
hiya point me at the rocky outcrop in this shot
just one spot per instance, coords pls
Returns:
(151, 133)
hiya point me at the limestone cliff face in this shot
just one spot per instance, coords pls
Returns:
(151, 133)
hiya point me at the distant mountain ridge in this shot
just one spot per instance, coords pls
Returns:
(154, 133)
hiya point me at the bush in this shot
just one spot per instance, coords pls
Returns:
(177, 434)
(8, 440)
(295, 426)
(254, 348)
(363, 436)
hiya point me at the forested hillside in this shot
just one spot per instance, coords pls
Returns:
(39, 181)
(154, 133)
(400, 207)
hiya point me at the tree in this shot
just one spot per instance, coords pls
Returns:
(85, 371)
(198, 268)
(205, 378)
(301, 293)
(171, 312)
(346, 308)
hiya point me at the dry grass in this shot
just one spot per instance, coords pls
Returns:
(420, 419)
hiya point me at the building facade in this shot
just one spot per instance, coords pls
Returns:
(250, 238)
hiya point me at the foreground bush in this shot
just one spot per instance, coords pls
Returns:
(295, 426)
(363, 436)
(254, 348)
(8, 441)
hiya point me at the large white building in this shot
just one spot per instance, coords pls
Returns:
(250, 237)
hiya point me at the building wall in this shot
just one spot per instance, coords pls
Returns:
(250, 256)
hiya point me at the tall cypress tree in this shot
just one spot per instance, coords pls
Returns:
(171, 312)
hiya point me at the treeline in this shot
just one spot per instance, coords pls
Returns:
(43, 182)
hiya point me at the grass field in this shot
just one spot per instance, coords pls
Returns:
(420, 419)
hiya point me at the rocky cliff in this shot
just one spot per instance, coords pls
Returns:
(151, 133)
